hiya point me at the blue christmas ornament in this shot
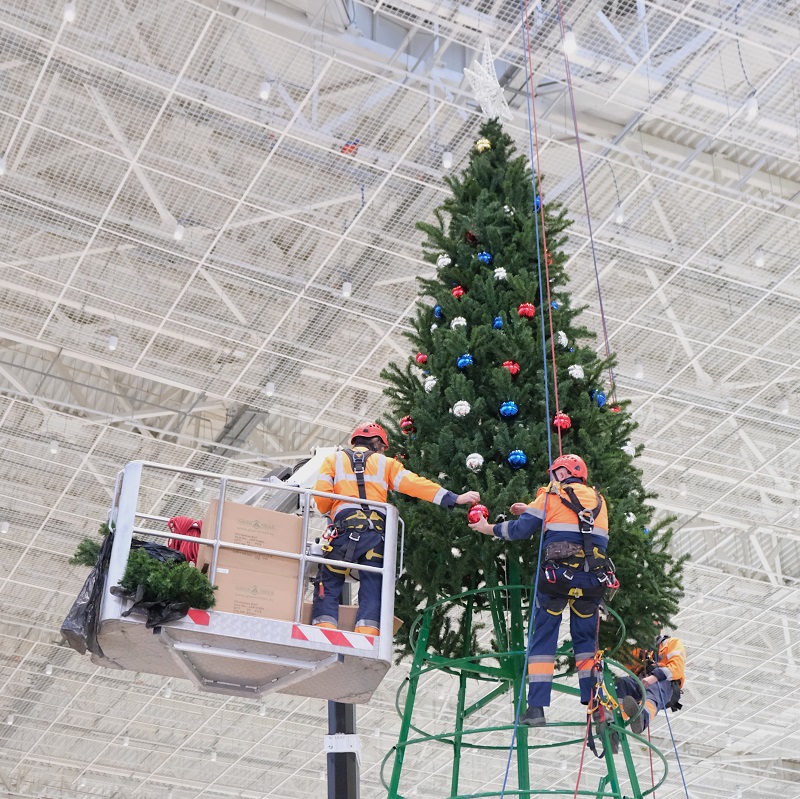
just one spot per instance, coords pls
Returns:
(509, 409)
(600, 399)
(517, 459)
(572, 349)
(555, 305)
(537, 203)
(646, 530)
(464, 361)
(498, 322)
(438, 312)
(485, 257)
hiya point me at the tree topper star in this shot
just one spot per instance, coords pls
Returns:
(487, 89)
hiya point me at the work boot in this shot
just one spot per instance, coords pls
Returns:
(533, 717)
(631, 708)
(366, 630)
(326, 625)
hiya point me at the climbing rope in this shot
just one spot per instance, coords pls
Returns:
(583, 753)
(544, 280)
(536, 180)
(674, 745)
(523, 692)
(568, 72)
(652, 773)
(531, 128)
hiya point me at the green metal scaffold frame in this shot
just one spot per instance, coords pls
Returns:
(505, 605)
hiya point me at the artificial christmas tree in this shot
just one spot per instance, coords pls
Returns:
(479, 406)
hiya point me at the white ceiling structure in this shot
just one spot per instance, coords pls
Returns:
(187, 186)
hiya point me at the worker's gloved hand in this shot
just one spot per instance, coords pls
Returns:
(468, 498)
(483, 526)
(518, 507)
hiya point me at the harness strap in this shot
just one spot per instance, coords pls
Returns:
(586, 519)
(358, 463)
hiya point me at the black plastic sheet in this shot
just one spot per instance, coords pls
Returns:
(79, 628)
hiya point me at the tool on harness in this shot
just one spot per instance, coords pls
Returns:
(327, 537)
(600, 709)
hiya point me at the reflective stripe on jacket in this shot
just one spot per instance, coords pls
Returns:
(381, 475)
(561, 523)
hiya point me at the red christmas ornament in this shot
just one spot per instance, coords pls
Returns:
(526, 309)
(471, 238)
(475, 512)
(548, 259)
(615, 409)
(458, 291)
(562, 421)
(512, 367)
(421, 357)
(407, 425)
(401, 456)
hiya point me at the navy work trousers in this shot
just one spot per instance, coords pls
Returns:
(543, 644)
(328, 588)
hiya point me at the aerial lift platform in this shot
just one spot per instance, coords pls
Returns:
(229, 653)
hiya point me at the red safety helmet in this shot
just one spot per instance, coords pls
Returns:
(573, 464)
(370, 430)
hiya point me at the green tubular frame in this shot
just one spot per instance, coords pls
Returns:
(501, 680)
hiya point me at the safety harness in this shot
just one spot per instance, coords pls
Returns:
(651, 664)
(357, 522)
(564, 558)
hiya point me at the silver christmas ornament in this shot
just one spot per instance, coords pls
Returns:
(474, 461)
(461, 408)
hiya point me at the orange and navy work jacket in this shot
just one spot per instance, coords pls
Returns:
(381, 475)
(560, 523)
(670, 659)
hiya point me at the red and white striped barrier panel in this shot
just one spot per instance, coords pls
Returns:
(322, 635)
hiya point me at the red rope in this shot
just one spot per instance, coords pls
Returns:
(652, 773)
(537, 171)
(583, 752)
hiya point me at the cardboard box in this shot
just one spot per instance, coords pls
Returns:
(256, 593)
(253, 583)
(252, 527)
(347, 617)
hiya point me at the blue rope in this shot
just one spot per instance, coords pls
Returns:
(674, 746)
(523, 691)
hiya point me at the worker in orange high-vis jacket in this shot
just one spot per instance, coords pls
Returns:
(575, 571)
(662, 672)
(364, 473)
